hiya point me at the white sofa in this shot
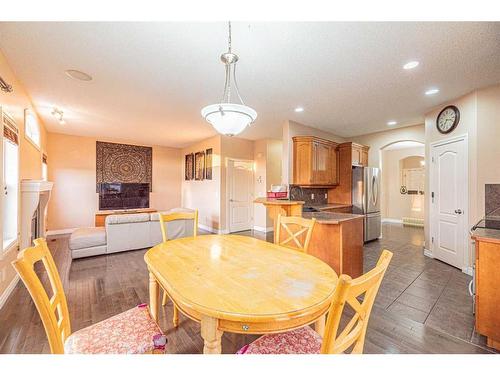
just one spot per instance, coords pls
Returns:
(126, 232)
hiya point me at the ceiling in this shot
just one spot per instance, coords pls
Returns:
(150, 80)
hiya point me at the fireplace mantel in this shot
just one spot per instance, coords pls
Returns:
(35, 195)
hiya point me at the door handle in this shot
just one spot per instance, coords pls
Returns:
(459, 211)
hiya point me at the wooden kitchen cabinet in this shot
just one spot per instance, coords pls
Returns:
(315, 161)
(359, 154)
(349, 154)
(487, 280)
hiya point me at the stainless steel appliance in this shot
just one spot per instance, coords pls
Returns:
(366, 199)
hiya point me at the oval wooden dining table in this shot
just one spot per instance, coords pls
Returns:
(233, 283)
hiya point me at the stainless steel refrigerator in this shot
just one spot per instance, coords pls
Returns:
(366, 199)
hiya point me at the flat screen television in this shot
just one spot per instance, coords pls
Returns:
(123, 196)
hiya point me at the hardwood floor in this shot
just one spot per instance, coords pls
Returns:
(422, 306)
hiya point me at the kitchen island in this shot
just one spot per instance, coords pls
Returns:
(337, 237)
(337, 240)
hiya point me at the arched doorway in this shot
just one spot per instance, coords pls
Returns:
(402, 185)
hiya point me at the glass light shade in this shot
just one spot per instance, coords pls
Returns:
(228, 118)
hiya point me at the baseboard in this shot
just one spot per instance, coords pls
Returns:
(428, 253)
(468, 270)
(212, 230)
(6, 293)
(394, 221)
(60, 231)
(263, 229)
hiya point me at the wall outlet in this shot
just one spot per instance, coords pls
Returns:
(312, 196)
(326, 195)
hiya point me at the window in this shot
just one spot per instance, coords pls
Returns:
(10, 181)
(32, 128)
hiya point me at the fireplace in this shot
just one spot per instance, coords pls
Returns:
(35, 196)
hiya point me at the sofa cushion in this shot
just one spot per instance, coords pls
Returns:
(83, 238)
(127, 218)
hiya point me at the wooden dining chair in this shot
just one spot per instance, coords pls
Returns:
(352, 337)
(295, 228)
(165, 219)
(131, 332)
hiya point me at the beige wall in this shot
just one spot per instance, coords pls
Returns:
(480, 121)
(209, 196)
(72, 168)
(15, 103)
(267, 156)
(379, 140)
(467, 126)
(260, 186)
(205, 195)
(290, 130)
(488, 141)
(395, 205)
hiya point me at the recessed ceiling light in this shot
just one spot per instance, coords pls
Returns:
(410, 65)
(431, 91)
(299, 109)
(391, 123)
(79, 75)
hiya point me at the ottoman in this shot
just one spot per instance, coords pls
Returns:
(87, 242)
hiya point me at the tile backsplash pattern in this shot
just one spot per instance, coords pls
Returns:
(312, 196)
(491, 197)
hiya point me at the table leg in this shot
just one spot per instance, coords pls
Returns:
(154, 296)
(319, 325)
(211, 335)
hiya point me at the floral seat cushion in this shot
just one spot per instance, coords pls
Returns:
(300, 341)
(131, 332)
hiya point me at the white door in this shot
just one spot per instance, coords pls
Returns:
(449, 201)
(240, 181)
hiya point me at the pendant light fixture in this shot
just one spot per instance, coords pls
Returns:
(226, 117)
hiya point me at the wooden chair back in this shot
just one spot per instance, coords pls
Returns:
(295, 229)
(57, 327)
(165, 218)
(347, 292)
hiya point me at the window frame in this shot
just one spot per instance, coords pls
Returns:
(28, 113)
(14, 243)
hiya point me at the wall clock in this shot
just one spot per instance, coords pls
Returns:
(448, 119)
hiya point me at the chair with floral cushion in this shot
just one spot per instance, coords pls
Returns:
(131, 332)
(352, 337)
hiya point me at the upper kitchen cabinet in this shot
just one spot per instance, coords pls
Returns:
(359, 154)
(314, 161)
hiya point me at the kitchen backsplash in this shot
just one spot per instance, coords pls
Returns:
(491, 197)
(312, 196)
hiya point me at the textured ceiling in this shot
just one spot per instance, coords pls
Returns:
(152, 79)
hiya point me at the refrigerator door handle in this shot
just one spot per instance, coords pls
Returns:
(374, 190)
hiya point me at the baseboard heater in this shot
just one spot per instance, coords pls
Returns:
(413, 222)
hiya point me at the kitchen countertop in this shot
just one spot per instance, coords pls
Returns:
(488, 235)
(331, 206)
(330, 217)
(277, 202)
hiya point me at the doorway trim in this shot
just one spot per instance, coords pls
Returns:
(227, 229)
(466, 256)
